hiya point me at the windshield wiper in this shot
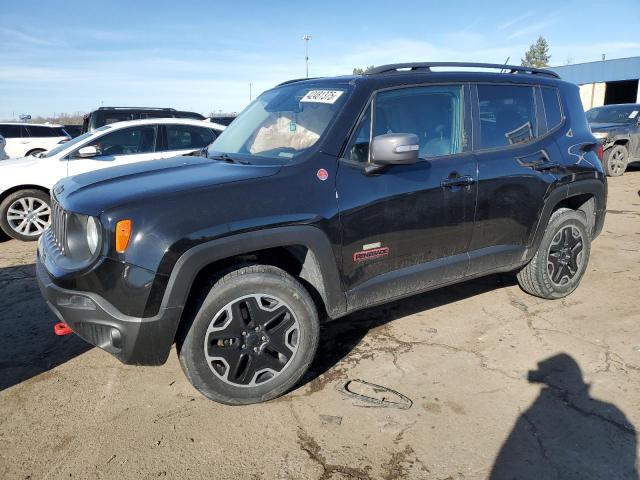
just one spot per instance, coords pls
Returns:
(224, 157)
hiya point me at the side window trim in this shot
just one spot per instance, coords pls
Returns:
(563, 117)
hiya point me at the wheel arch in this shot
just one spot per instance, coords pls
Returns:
(302, 251)
(17, 188)
(587, 196)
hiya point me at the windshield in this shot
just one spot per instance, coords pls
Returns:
(281, 123)
(617, 114)
(71, 143)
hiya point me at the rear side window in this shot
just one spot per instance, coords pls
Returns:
(11, 131)
(552, 108)
(185, 137)
(507, 115)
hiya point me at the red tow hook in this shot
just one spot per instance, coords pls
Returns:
(61, 329)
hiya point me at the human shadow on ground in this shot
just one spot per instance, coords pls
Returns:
(567, 434)
(28, 346)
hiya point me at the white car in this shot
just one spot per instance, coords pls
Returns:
(24, 139)
(3, 143)
(25, 182)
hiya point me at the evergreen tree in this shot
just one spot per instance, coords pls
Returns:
(538, 54)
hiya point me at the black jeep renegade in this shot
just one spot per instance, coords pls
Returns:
(323, 197)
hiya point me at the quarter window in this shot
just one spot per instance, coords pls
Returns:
(551, 107)
(507, 115)
(128, 141)
(185, 137)
(432, 113)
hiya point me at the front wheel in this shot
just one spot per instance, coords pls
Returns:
(25, 214)
(252, 338)
(561, 260)
(616, 160)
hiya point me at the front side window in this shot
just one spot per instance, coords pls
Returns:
(282, 123)
(127, 141)
(187, 137)
(433, 113)
(507, 115)
(358, 150)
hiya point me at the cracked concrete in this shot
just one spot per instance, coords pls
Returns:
(498, 379)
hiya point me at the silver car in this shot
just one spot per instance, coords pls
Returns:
(3, 154)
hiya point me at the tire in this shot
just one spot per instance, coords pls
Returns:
(241, 364)
(561, 260)
(25, 214)
(616, 160)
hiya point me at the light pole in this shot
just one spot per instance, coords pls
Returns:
(306, 39)
(250, 96)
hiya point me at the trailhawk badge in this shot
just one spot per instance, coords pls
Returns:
(370, 252)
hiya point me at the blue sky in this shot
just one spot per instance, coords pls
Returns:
(68, 56)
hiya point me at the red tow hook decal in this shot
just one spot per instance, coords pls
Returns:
(61, 329)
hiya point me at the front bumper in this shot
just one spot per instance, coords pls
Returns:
(133, 340)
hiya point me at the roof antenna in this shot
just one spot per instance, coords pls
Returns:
(505, 62)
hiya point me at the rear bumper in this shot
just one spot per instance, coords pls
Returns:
(132, 340)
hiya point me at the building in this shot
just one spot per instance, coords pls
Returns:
(605, 82)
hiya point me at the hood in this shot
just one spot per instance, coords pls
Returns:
(606, 127)
(21, 162)
(94, 192)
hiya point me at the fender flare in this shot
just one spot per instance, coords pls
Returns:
(595, 187)
(193, 260)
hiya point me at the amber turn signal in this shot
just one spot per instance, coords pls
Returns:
(123, 233)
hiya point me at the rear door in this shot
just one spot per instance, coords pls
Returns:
(408, 228)
(515, 171)
(120, 147)
(182, 139)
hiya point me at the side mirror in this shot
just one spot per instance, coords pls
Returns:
(395, 149)
(88, 152)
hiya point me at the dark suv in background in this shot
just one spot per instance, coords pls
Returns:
(618, 128)
(325, 196)
(106, 115)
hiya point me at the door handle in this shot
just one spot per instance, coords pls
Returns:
(463, 181)
(543, 165)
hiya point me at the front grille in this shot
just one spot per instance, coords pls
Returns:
(58, 225)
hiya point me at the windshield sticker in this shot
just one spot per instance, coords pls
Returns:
(633, 114)
(292, 126)
(285, 154)
(322, 96)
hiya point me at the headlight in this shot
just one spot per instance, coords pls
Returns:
(93, 234)
(600, 135)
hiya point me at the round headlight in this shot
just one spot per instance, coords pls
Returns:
(93, 236)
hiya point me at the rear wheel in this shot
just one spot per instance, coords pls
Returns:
(25, 214)
(616, 160)
(561, 260)
(252, 338)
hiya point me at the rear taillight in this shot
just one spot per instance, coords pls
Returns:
(600, 153)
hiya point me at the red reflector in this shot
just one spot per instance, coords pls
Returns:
(600, 153)
(61, 329)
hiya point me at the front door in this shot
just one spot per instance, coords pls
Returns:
(408, 228)
(127, 145)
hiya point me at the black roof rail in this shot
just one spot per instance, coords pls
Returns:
(426, 67)
(138, 108)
